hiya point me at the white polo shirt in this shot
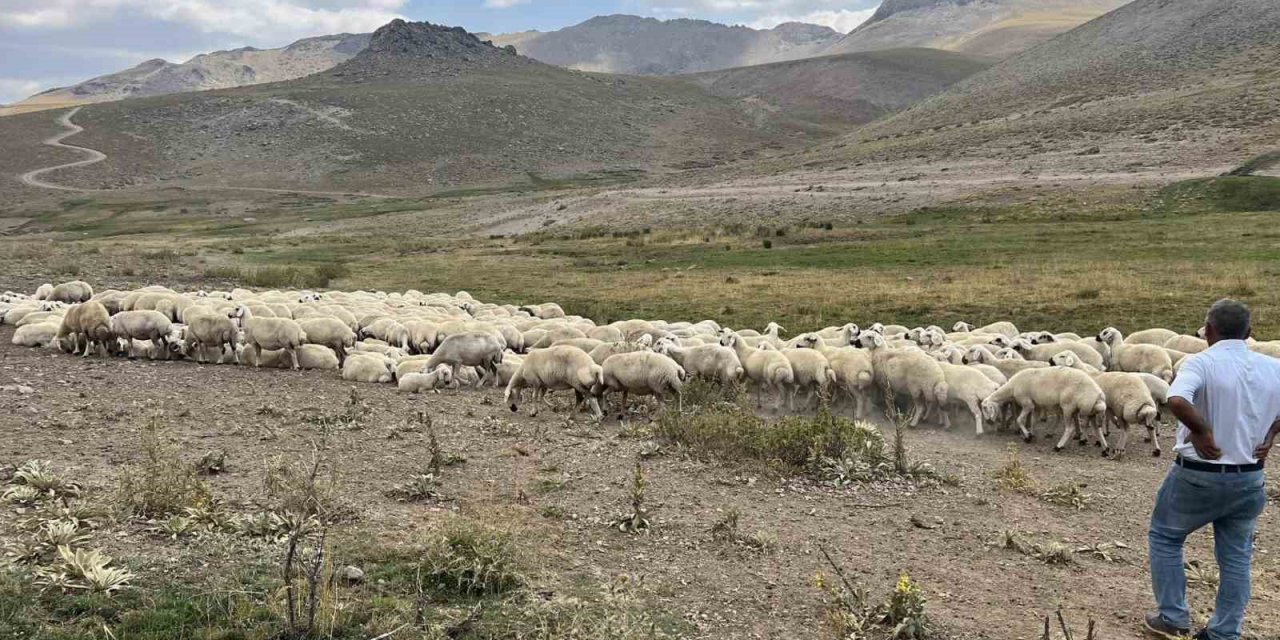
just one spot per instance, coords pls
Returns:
(1238, 393)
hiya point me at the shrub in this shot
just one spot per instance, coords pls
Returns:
(1013, 476)
(767, 243)
(162, 484)
(466, 558)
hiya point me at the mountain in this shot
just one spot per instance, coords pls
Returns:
(994, 28)
(849, 89)
(647, 46)
(217, 70)
(1186, 83)
(420, 109)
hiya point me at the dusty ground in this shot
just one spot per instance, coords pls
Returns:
(83, 416)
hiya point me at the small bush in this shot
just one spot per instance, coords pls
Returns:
(1013, 476)
(162, 484)
(727, 531)
(466, 558)
(637, 521)
(767, 243)
(1069, 494)
(731, 431)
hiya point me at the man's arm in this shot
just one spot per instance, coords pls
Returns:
(1201, 432)
(1265, 448)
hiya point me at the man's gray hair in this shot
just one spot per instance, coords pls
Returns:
(1231, 318)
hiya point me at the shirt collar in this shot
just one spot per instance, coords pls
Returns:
(1230, 345)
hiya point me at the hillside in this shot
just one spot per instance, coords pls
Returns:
(647, 46)
(993, 28)
(1188, 84)
(216, 70)
(849, 89)
(422, 108)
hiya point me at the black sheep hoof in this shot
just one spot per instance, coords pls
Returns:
(1106, 453)
(513, 408)
(1028, 439)
(1147, 440)
(1057, 449)
(1097, 444)
(1155, 454)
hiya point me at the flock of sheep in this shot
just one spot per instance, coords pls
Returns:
(997, 373)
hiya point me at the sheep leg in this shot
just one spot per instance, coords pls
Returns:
(539, 397)
(1068, 430)
(455, 384)
(293, 355)
(976, 410)
(919, 407)
(946, 419)
(1102, 439)
(1153, 438)
(1024, 421)
(257, 352)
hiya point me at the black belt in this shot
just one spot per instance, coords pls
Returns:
(1210, 467)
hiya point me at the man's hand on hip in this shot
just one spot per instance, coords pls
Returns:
(1205, 445)
(1263, 449)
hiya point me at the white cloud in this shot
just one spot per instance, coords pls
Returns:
(262, 20)
(15, 89)
(842, 20)
(503, 4)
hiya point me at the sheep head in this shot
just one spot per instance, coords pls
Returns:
(870, 340)
(1064, 359)
(962, 327)
(1111, 336)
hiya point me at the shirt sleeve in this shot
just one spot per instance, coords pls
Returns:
(1189, 380)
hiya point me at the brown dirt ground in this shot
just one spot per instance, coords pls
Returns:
(83, 415)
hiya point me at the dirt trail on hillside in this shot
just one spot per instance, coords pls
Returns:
(32, 178)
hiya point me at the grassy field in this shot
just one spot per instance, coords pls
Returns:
(1060, 265)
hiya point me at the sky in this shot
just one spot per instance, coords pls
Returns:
(53, 43)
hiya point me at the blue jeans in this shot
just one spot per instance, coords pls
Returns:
(1188, 501)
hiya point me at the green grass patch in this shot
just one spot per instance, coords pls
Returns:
(1227, 193)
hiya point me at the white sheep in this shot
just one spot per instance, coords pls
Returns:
(310, 356)
(642, 373)
(72, 292)
(1186, 344)
(210, 330)
(769, 370)
(1069, 391)
(151, 326)
(1007, 367)
(1130, 399)
(368, 367)
(1137, 358)
(602, 352)
(909, 372)
(966, 387)
(269, 333)
(44, 334)
(437, 378)
(710, 361)
(330, 332)
(481, 349)
(1003, 328)
(1045, 352)
(811, 373)
(1155, 337)
(557, 369)
(90, 323)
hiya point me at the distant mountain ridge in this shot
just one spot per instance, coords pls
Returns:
(215, 70)
(648, 46)
(994, 28)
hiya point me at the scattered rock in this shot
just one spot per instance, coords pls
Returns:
(18, 389)
(351, 574)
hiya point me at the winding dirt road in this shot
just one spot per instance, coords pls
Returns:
(32, 178)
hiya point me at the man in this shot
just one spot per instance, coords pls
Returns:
(1227, 400)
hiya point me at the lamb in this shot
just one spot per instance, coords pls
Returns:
(812, 373)
(472, 349)
(150, 326)
(370, 368)
(42, 335)
(43, 292)
(269, 333)
(966, 387)
(89, 322)
(555, 369)
(710, 361)
(73, 292)
(1070, 391)
(642, 373)
(1186, 344)
(910, 372)
(330, 332)
(767, 369)
(1137, 358)
(438, 378)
